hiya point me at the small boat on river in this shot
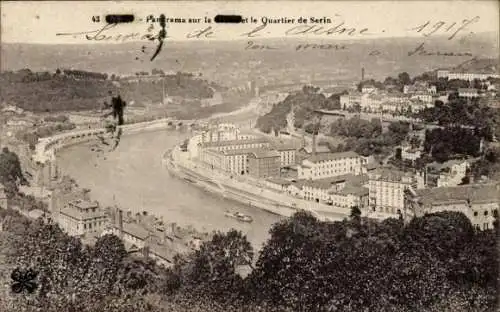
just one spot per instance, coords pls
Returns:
(239, 216)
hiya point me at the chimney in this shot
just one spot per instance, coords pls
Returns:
(120, 223)
(145, 251)
(314, 144)
(173, 225)
(362, 74)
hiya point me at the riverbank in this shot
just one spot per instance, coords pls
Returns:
(246, 190)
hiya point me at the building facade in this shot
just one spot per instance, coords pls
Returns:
(264, 164)
(330, 164)
(81, 217)
(387, 190)
(480, 203)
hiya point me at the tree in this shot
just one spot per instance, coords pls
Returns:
(404, 78)
(355, 213)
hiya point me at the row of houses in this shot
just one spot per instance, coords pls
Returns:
(467, 75)
(386, 102)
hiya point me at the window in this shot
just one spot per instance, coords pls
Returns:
(486, 212)
(475, 213)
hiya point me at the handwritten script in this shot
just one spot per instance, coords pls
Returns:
(110, 33)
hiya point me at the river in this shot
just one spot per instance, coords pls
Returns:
(133, 175)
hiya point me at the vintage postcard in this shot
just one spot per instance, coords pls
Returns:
(249, 156)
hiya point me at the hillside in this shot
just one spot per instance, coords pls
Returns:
(44, 91)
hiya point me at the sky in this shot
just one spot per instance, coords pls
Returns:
(40, 22)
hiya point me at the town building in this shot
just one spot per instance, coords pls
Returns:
(410, 153)
(449, 173)
(287, 154)
(264, 164)
(82, 217)
(325, 165)
(480, 203)
(350, 100)
(236, 144)
(368, 89)
(468, 93)
(349, 197)
(236, 161)
(3, 197)
(387, 190)
(470, 76)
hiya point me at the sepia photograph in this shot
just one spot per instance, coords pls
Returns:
(249, 156)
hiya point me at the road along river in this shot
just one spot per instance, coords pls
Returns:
(134, 176)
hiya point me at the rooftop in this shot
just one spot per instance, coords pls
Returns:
(234, 142)
(472, 193)
(240, 151)
(265, 153)
(467, 90)
(352, 190)
(389, 174)
(279, 181)
(319, 149)
(331, 156)
(81, 215)
(84, 204)
(325, 183)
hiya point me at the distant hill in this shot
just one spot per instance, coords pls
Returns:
(46, 91)
(490, 65)
(230, 63)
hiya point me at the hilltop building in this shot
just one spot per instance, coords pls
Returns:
(82, 217)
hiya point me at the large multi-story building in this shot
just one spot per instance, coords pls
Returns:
(236, 161)
(349, 100)
(329, 165)
(264, 164)
(82, 217)
(387, 190)
(236, 144)
(287, 154)
(480, 203)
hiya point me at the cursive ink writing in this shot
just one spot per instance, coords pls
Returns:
(255, 32)
(313, 46)
(102, 35)
(201, 33)
(338, 29)
(420, 50)
(253, 46)
(428, 28)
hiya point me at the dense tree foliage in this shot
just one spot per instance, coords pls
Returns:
(305, 102)
(444, 144)
(366, 137)
(11, 174)
(437, 262)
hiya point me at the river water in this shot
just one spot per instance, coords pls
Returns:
(132, 177)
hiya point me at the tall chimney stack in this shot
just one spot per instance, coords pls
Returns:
(120, 223)
(314, 144)
(362, 74)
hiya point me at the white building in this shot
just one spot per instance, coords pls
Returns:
(409, 153)
(329, 165)
(287, 154)
(480, 203)
(368, 89)
(350, 100)
(80, 217)
(468, 93)
(451, 172)
(387, 187)
(470, 76)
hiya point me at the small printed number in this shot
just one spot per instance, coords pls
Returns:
(96, 19)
